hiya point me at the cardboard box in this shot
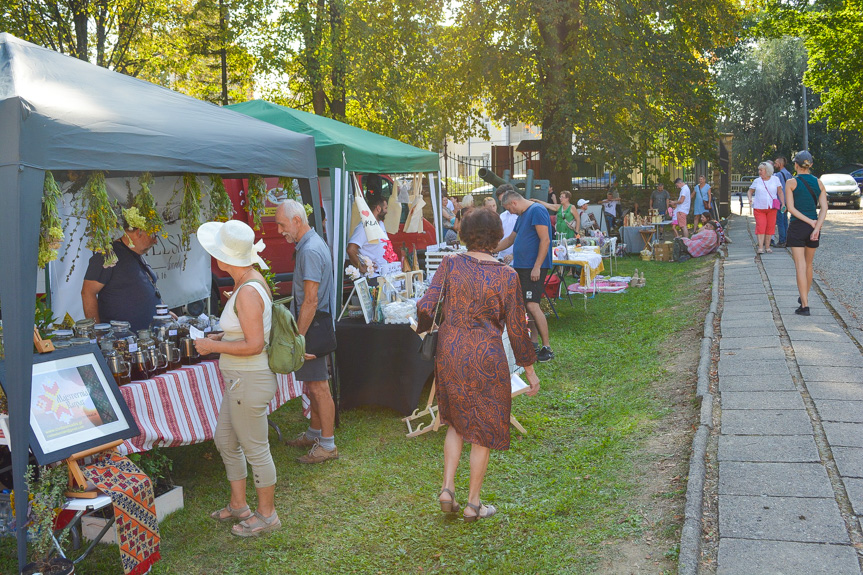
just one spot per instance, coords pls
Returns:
(662, 252)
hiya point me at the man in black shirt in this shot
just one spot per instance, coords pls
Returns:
(127, 291)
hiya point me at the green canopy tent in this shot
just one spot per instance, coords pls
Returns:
(341, 148)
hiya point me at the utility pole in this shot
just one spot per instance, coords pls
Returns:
(805, 121)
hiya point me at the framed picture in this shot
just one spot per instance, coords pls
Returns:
(75, 404)
(365, 297)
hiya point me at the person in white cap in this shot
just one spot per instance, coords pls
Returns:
(241, 429)
(586, 221)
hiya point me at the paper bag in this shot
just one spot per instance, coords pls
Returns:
(414, 221)
(374, 234)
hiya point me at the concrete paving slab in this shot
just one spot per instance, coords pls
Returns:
(840, 410)
(768, 382)
(753, 354)
(731, 342)
(797, 335)
(835, 390)
(849, 461)
(854, 488)
(755, 330)
(843, 434)
(761, 400)
(742, 315)
(747, 557)
(775, 448)
(733, 366)
(800, 323)
(822, 373)
(765, 422)
(833, 360)
(825, 349)
(781, 519)
(778, 479)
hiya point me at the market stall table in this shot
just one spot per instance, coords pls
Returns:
(180, 407)
(379, 364)
(591, 266)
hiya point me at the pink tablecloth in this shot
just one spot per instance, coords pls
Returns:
(180, 407)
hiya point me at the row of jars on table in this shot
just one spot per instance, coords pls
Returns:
(166, 345)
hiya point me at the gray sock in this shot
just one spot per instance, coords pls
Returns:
(313, 434)
(328, 443)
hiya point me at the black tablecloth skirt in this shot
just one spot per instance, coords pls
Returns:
(379, 364)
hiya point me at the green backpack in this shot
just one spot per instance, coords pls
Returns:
(287, 347)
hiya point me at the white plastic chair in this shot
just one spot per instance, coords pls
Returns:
(608, 251)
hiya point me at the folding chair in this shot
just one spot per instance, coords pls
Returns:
(609, 252)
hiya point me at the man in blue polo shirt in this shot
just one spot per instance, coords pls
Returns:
(531, 241)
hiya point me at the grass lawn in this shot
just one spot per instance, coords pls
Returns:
(575, 492)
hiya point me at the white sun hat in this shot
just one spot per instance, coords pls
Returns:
(583, 202)
(231, 242)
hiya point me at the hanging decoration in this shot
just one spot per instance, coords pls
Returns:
(221, 208)
(51, 226)
(190, 210)
(287, 184)
(257, 196)
(146, 205)
(101, 218)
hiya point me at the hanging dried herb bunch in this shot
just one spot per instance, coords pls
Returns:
(257, 198)
(146, 204)
(221, 208)
(101, 219)
(51, 226)
(190, 209)
(287, 184)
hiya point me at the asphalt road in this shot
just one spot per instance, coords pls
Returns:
(839, 259)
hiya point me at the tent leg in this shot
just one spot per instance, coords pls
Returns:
(336, 389)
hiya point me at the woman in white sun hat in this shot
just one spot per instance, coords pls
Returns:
(241, 432)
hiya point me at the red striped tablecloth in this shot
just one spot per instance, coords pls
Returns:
(180, 407)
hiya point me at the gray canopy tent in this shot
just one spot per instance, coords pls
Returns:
(62, 114)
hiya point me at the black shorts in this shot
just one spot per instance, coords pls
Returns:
(531, 290)
(798, 235)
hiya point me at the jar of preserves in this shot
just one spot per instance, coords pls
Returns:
(61, 336)
(86, 328)
(165, 329)
(76, 341)
(103, 330)
(124, 340)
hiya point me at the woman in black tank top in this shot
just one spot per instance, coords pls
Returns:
(802, 195)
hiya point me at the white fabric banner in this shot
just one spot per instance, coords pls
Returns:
(178, 286)
(436, 199)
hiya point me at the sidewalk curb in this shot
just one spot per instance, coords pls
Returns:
(690, 536)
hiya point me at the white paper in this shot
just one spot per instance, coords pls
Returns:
(195, 333)
(517, 383)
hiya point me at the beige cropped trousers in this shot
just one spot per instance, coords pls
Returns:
(241, 434)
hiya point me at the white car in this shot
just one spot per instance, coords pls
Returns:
(841, 189)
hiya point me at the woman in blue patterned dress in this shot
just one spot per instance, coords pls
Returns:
(481, 297)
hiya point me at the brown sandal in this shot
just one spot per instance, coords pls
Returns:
(261, 526)
(450, 506)
(233, 514)
(489, 511)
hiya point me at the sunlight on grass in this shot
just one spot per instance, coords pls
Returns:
(562, 491)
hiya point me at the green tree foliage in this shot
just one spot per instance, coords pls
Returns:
(760, 85)
(832, 32)
(617, 81)
(390, 66)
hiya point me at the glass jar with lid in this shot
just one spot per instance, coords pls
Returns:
(61, 336)
(124, 340)
(76, 341)
(85, 328)
(165, 329)
(103, 331)
(145, 340)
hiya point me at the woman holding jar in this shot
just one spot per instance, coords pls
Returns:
(241, 430)
(767, 191)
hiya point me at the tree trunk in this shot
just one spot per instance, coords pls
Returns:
(338, 71)
(223, 50)
(79, 17)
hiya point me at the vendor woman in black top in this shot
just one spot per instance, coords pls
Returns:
(127, 291)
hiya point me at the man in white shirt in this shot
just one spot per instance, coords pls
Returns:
(508, 220)
(681, 207)
(381, 253)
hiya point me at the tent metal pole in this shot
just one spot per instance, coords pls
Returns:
(20, 210)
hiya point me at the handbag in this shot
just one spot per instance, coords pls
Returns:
(428, 346)
(321, 335)
(776, 203)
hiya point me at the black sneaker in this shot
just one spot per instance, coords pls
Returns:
(780, 245)
(545, 354)
(799, 302)
(802, 310)
(536, 347)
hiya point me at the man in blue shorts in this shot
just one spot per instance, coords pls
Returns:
(531, 241)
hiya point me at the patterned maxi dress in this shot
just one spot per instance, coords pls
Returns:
(473, 380)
